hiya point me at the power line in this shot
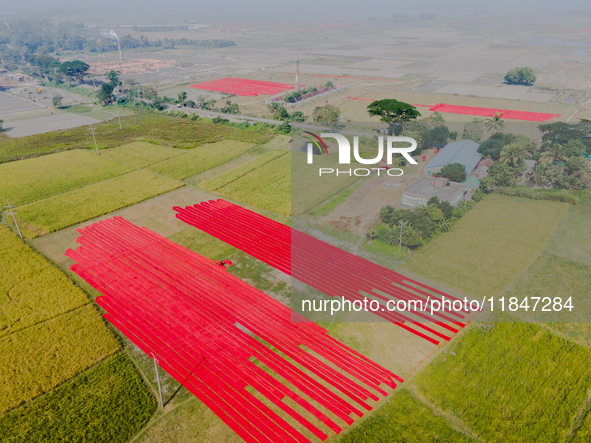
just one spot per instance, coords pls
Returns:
(94, 138)
(11, 212)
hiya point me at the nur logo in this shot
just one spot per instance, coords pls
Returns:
(345, 152)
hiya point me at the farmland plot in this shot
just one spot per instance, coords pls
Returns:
(107, 403)
(61, 211)
(140, 154)
(486, 250)
(34, 179)
(37, 359)
(510, 382)
(201, 159)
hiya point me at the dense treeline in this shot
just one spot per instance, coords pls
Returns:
(30, 38)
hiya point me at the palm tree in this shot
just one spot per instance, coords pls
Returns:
(512, 153)
(495, 123)
(444, 225)
(539, 174)
(552, 154)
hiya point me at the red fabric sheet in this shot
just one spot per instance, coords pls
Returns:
(243, 87)
(205, 326)
(324, 267)
(484, 112)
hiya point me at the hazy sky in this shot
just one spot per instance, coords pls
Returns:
(168, 11)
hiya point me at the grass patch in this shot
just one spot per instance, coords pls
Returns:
(108, 402)
(573, 237)
(488, 248)
(551, 276)
(583, 434)
(274, 197)
(31, 289)
(258, 274)
(309, 188)
(38, 178)
(511, 382)
(233, 175)
(258, 179)
(152, 126)
(41, 357)
(278, 142)
(61, 211)
(331, 205)
(267, 186)
(140, 155)
(404, 420)
(561, 195)
(203, 244)
(201, 159)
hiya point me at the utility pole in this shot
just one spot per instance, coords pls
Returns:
(11, 212)
(400, 245)
(158, 379)
(119, 118)
(93, 136)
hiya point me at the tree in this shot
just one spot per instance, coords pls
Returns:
(435, 213)
(473, 130)
(230, 108)
(512, 153)
(280, 113)
(298, 116)
(75, 68)
(492, 147)
(182, 97)
(553, 154)
(393, 112)
(113, 77)
(495, 123)
(328, 115)
(454, 171)
(520, 76)
(328, 85)
(437, 117)
(57, 101)
(501, 175)
(435, 137)
(190, 104)
(1, 121)
(105, 93)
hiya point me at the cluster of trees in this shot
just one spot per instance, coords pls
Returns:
(295, 96)
(280, 113)
(31, 38)
(520, 76)
(417, 226)
(561, 159)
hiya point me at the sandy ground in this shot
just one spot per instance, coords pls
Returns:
(40, 125)
(155, 214)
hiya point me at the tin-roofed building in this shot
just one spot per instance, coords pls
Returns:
(464, 152)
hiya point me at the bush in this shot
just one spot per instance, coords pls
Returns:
(478, 195)
(520, 76)
(454, 171)
(541, 194)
